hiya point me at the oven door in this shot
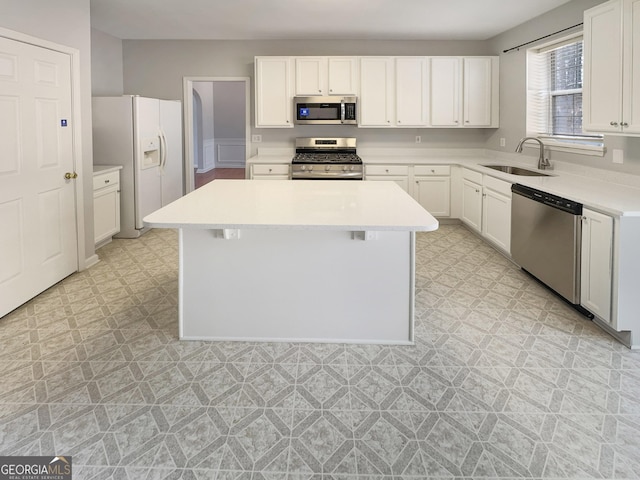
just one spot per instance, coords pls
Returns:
(324, 110)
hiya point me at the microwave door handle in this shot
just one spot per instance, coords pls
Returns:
(342, 111)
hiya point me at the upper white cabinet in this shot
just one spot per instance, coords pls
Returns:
(410, 92)
(377, 92)
(273, 92)
(326, 76)
(393, 92)
(611, 89)
(463, 92)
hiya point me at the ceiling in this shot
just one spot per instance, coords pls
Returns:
(314, 19)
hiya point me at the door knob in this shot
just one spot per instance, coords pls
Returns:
(69, 175)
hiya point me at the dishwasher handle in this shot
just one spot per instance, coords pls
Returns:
(549, 199)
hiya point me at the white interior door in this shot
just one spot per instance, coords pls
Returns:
(38, 243)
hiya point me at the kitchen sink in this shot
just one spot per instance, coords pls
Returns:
(516, 171)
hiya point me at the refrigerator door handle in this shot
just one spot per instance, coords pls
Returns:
(163, 151)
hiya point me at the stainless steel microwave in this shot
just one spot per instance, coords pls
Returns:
(325, 110)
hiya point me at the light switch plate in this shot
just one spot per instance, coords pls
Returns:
(256, 138)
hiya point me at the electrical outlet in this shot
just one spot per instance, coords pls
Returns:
(418, 139)
(618, 155)
(256, 138)
(503, 142)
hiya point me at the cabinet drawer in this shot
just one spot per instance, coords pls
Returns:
(106, 180)
(496, 185)
(386, 170)
(426, 170)
(271, 169)
(472, 176)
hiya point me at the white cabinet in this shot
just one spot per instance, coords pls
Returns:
(273, 92)
(410, 92)
(342, 75)
(393, 92)
(326, 76)
(472, 199)
(275, 171)
(611, 89)
(496, 212)
(394, 173)
(596, 265)
(432, 188)
(463, 92)
(377, 92)
(106, 205)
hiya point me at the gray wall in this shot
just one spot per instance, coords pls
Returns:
(229, 107)
(146, 73)
(65, 22)
(106, 65)
(513, 89)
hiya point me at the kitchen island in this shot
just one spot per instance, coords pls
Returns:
(317, 261)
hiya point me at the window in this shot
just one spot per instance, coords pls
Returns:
(554, 97)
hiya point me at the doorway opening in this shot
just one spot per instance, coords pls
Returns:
(216, 112)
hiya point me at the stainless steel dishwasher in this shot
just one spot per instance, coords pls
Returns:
(546, 234)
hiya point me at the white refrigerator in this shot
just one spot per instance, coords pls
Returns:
(144, 135)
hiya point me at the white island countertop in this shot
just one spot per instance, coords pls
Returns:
(303, 204)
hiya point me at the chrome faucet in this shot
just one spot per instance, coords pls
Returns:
(543, 163)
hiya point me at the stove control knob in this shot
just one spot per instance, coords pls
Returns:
(327, 168)
(310, 167)
(352, 168)
(344, 168)
(303, 168)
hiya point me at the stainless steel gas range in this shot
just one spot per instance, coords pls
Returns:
(326, 159)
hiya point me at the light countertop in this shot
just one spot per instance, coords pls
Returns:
(98, 169)
(286, 204)
(598, 193)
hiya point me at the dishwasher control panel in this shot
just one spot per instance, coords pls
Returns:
(548, 199)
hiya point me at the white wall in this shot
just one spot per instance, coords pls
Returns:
(65, 22)
(106, 64)
(513, 90)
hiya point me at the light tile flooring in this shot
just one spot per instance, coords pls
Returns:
(505, 381)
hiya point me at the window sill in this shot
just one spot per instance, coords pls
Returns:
(580, 147)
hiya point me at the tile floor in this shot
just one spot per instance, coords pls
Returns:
(505, 381)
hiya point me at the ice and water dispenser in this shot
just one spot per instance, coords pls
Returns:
(150, 152)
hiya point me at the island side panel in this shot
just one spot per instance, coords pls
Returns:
(297, 285)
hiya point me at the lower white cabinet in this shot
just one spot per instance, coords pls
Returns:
(277, 171)
(596, 266)
(472, 199)
(496, 212)
(395, 173)
(106, 205)
(432, 188)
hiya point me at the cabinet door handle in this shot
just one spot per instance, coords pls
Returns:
(613, 124)
(624, 124)
(106, 181)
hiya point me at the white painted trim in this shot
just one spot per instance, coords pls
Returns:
(187, 93)
(84, 262)
(220, 143)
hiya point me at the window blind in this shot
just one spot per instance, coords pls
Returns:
(554, 89)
